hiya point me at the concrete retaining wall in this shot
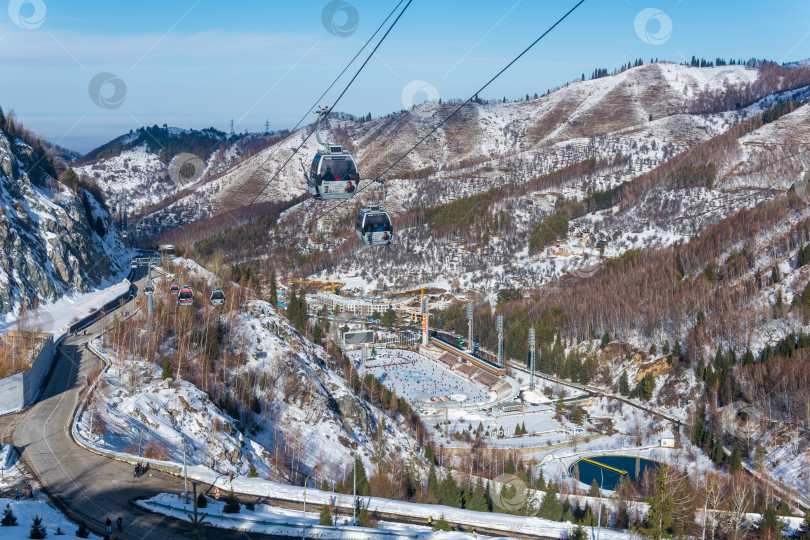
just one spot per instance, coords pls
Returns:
(22, 389)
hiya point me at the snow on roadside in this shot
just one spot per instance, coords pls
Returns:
(11, 473)
(270, 519)
(25, 510)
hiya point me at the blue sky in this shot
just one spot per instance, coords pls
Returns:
(199, 63)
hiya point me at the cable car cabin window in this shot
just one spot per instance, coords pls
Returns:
(313, 171)
(337, 168)
(376, 223)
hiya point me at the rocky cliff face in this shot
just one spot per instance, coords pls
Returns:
(48, 245)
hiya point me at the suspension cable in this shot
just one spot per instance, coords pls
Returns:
(472, 97)
(331, 107)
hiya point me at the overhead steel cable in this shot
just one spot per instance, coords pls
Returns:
(331, 108)
(440, 124)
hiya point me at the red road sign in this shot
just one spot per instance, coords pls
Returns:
(216, 493)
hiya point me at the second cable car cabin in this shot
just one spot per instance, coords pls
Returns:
(217, 297)
(333, 174)
(186, 296)
(373, 227)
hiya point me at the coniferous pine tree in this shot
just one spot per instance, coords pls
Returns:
(326, 515)
(37, 529)
(550, 506)
(448, 492)
(478, 502)
(9, 519)
(232, 505)
(735, 461)
(273, 288)
(661, 506)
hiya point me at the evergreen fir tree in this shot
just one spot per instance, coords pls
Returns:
(661, 506)
(9, 519)
(252, 472)
(478, 502)
(202, 502)
(540, 483)
(273, 288)
(579, 533)
(448, 492)
(432, 485)
(317, 334)
(579, 416)
(37, 529)
(326, 515)
(735, 461)
(232, 505)
(82, 531)
(550, 506)
(624, 384)
(605, 340)
(362, 479)
(441, 524)
(364, 518)
(509, 466)
(488, 495)
(769, 525)
(325, 485)
(167, 368)
(622, 516)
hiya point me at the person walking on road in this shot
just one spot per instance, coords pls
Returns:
(16, 494)
(120, 522)
(109, 525)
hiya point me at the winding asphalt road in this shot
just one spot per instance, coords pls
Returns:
(88, 487)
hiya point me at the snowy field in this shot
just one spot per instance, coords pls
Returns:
(270, 519)
(25, 510)
(423, 382)
(12, 476)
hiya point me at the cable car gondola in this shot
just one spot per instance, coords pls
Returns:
(149, 289)
(217, 297)
(174, 288)
(186, 296)
(373, 225)
(333, 173)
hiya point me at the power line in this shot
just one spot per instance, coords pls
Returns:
(319, 99)
(432, 131)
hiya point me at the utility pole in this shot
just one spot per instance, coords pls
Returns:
(499, 323)
(532, 357)
(185, 471)
(425, 316)
(267, 126)
(705, 509)
(232, 133)
(470, 327)
(354, 492)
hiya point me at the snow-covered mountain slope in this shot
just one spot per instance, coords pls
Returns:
(53, 241)
(302, 412)
(648, 113)
(153, 164)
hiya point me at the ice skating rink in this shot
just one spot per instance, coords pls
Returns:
(422, 381)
